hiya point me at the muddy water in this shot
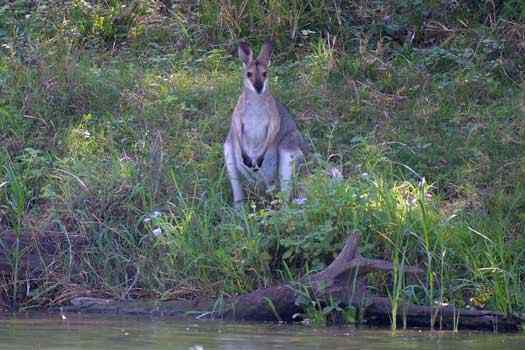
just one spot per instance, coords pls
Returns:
(52, 332)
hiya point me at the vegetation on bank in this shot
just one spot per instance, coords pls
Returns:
(113, 114)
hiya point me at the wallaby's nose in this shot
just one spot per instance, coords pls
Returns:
(258, 86)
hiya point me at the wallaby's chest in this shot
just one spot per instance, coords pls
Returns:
(255, 123)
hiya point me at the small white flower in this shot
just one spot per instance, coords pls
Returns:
(300, 200)
(156, 214)
(335, 174)
(364, 175)
(307, 32)
(157, 232)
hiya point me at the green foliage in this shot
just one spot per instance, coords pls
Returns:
(111, 129)
(111, 21)
(284, 20)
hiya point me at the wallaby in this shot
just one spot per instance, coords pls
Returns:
(263, 139)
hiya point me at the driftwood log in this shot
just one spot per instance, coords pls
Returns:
(344, 281)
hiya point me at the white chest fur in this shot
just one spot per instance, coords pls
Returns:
(255, 124)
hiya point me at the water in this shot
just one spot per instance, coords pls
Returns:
(102, 333)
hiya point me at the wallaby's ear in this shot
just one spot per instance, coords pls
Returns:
(245, 53)
(266, 53)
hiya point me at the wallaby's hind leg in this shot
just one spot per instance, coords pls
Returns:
(289, 161)
(233, 174)
(269, 167)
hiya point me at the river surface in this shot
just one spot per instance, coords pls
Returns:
(101, 333)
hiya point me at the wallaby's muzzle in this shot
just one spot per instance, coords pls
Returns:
(258, 85)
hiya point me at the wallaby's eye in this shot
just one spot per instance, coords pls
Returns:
(249, 74)
(264, 74)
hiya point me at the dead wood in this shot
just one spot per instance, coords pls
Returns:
(344, 281)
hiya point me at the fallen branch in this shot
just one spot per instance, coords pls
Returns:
(343, 281)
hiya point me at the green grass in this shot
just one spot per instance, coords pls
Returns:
(111, 147)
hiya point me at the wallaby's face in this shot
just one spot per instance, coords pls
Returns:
(256, 70)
